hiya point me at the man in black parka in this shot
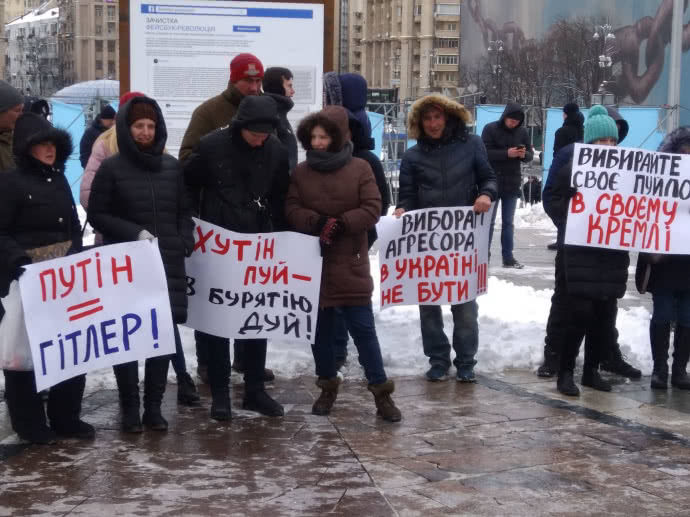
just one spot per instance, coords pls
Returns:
(507, 144)
(244, 172)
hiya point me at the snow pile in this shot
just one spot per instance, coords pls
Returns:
(529, 216)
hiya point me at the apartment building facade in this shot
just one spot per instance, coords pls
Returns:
(412, 45)
(31, 63)
(89, 43)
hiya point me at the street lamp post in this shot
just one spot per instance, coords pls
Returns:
(431, 57)
(495, 57)
(604, 34)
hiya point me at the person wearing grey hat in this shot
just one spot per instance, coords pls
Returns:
(11, 106)
(243, 170)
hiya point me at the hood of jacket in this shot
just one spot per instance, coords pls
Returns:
(333, 119)
(151, 158)
(284, 103)
(576, 119)
(255, 109)
(32, 129)
(513, 108)
(676, 140)
(453, 110)
(622, 124)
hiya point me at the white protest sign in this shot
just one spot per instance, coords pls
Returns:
(101, 307)
(434, 256)
(629, 199)
(181, 52)
(254, 286)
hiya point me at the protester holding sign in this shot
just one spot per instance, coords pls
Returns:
(38, 220)
(139, 194)
(335, 196)
(246, 75)
(244, 172)
(666, 277)
(448, 167)
(589, 280)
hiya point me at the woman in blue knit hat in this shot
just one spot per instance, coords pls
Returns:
(589, 281)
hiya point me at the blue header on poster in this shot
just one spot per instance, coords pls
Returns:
(211, 10)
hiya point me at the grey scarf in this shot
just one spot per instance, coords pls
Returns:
(324, 161)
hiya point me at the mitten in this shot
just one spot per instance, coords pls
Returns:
(145, 235)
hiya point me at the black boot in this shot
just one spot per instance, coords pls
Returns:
(155, 380)
(25, 407)
(64, 409)
(566, 384)
(261, 402)
(186, 391)
(681, 353)
(550, 366)
(127, 377)
(616, 363)
(659, 338)
(592, 379)
(219, 379)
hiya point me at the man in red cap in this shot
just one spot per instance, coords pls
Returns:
(246, 74)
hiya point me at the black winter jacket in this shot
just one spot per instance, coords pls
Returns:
(594, 273)
(572, 131)
(135, 190)
(36, 204)
(498, 139)
(244, 187)
(284, 130)
(451, 171)
(86, 144)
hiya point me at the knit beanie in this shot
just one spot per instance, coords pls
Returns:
(139, 110)
(273, 79)
(599, 125)
(571, 108)
(245, 66)
(107, 113)
(129, 95)
(9, 97)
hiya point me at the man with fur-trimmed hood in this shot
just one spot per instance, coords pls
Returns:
(447, 167)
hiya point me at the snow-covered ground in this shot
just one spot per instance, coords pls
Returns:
(512, 320)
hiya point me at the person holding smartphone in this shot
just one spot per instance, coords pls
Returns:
(507, 144)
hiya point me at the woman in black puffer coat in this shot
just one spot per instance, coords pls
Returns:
(37, 210)
(666, 277)
(139, 194)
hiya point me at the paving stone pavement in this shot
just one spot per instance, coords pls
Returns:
(509, 445)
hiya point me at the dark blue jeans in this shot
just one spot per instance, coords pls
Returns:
(177, 359)
(465, 335)
(671, 306)
(340, 336)
(360, 322)
(508, 205)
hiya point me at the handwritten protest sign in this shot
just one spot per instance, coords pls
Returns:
(253, 286)
(434, 256)
(630, 199)
(105, 306)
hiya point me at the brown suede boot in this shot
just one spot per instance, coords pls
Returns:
(329, 392)
(384, 403)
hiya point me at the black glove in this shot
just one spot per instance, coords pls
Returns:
(571, 192)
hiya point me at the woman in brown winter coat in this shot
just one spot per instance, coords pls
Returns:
(334, 196)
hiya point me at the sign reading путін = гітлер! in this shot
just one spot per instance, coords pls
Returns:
(254, 286)
(629, 199)
(434, 256)
(94, 309)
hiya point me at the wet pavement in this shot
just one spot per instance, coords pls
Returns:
(508, 445)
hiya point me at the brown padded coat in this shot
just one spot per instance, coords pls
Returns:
(351, 194)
